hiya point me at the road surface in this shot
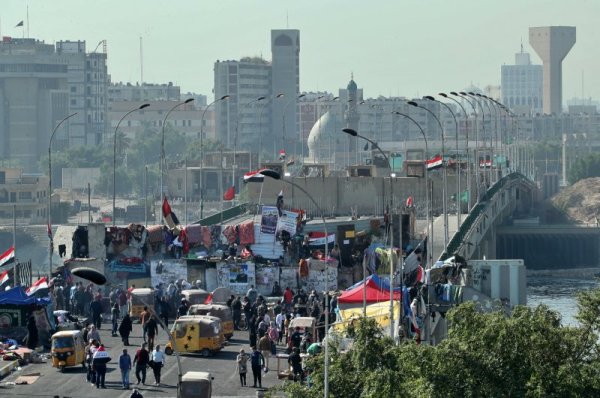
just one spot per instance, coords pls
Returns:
(73, 382)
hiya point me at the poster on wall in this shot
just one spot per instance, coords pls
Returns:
(11, 317)
(265, 277)
(236, 276)
(287, 222)
(167, 271)
(268, 220)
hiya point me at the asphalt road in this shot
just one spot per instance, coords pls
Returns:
(73, 382)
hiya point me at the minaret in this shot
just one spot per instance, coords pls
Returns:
(351, 117)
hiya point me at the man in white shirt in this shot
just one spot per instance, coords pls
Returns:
(157, 361)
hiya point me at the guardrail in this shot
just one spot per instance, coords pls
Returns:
(224, 215)
(457, 240)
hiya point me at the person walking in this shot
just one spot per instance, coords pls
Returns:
(273, 334)
(90, 350)
(151, 330)
(264, 346)
(295, 362)
(157, 361)
(257, 361)
(96, 310)
(164, 310)
(144, 317)
(114, 318)
(125, 366)
(236, 310)
(94, 334)
(99, 364)
(141, 361)
(125, 329)
(242, 366)
(122, 300)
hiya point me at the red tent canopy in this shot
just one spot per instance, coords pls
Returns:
(375, 294)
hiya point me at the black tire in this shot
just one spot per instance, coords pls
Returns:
(168, 351)
(205, 352)
(61, 369)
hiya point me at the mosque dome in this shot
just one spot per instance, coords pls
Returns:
(324, 136)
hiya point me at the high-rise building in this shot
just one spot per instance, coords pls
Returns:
(285, 50)
(243, 118)
(87, 77)
(522, 85)
(34, 96)
(118, 92)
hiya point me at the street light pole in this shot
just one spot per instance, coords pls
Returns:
(162, 147)
(296, 98)
(260, 146)
(275, 175)
(498, 148)
(458, 210)
(466, 149)
(444, 174)
(223, 98)
(237, 125)
(478, 165)
(487, 105)
(475, 155)
(391, 234)
(114, 216)
(51, 248)
(428, 217)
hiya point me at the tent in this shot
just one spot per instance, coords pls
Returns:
(17, 296)
(378, 311)
(375, 293)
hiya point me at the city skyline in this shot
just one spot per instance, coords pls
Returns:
(393, 48)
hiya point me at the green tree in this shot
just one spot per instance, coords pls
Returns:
(584, 167)
(525, 354)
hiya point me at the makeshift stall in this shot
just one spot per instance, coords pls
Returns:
(15, 308)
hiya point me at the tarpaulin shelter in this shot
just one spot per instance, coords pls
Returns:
(380, 312)
(17, 296)
(376, 293)
(16, 306)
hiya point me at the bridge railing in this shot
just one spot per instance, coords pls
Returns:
(224, 215)
(456, 241)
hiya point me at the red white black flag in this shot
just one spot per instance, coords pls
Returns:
(8, 257)
(435, 163)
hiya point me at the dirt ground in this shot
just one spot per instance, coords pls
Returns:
(580, 201)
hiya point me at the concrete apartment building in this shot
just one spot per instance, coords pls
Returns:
(522, 85)
(244, 81)
(40, 84)
(24, 193)
(119, 92)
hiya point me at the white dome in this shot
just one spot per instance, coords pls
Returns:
(325, 136)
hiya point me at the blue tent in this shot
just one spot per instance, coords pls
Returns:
(17, 296)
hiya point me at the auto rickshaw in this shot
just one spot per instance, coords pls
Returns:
(196, 333)
(68, 349)
(195, 385)
(139, 298)
(222, 312)
(195, 296)
(305, 324)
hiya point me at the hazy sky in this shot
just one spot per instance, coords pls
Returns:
(393, 47)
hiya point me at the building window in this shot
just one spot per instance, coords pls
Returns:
(73, 102)
(73, 89)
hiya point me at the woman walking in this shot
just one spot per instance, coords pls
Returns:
(125, 329)
(242, 366)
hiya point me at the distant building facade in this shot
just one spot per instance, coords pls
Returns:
(522, 85)
(24, 193)
(119, 92)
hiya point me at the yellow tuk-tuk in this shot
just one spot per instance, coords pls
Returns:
(222, 312)
(139, 298)
(196, 333)
(68, 349)
(195, 296)
(195, 385)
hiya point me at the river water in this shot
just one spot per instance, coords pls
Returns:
(559, 293)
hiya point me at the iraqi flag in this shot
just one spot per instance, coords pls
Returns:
(318, 239)
(254, 176)
(279, 203)
(282, 154)
(101, 356)
(49, 232)
(486, 163)
(409, 201)
(169, 215)
(38, 285)
(229, 194)
(435, 163)
(8, 257)
(4, 277)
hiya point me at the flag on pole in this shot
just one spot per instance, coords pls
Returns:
(254, 176)
(282, 154)
(4, 277)
(229, 194)
(38, 285)
(8, 257)
(279, 203)
(435, 163)
(49, 232)
(169, 215)
(19, 24)
(409, 201)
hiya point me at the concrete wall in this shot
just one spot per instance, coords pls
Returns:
(340, 195)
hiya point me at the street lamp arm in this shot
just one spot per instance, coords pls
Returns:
(373, 144)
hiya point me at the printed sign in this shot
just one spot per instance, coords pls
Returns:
(268, 221)
(165, 271)
(287, 222)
